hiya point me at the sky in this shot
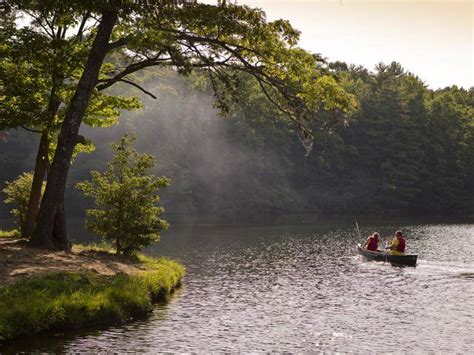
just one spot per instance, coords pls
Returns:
(433, 39)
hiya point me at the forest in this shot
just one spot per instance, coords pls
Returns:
(406, 150)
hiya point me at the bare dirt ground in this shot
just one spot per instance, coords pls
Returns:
(19, 260)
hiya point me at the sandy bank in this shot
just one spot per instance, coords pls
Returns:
(17, 260)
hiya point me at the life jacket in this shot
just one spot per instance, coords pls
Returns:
(401, 245)
(373, 244)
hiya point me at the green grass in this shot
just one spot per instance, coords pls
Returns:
(12, 233)
(97, 247)
(64, 301)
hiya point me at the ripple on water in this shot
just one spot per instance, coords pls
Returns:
(303, 289)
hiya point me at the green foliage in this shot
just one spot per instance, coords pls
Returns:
(407, 150)
(127, 197)
(402, 151)
(47, 56)
(18, 194)
(77, 300)
(39, 71)
(12, 233)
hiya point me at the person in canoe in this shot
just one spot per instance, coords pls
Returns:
(397, 245)
(372, 242)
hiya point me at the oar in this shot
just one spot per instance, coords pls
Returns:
(358, 232)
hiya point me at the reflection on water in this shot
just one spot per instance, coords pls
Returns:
(303, 289)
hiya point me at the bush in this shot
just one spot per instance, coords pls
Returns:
(126, 195)
(18, 194)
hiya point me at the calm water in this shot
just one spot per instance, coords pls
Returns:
(302, 289)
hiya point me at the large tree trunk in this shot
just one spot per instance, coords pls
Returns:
(41, 166)
(50, 231)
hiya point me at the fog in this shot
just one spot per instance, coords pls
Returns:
(219, 167)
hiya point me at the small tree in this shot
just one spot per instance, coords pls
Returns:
(18, 193)
(126, 195)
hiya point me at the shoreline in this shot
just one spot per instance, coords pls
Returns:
(47, 294)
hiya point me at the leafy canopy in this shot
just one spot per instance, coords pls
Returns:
(223, 40)
(39, 70)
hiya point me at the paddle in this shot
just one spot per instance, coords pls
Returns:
(358, 232)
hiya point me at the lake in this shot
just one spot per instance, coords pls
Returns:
(301, 289)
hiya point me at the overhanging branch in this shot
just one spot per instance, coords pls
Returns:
(138, 87)
(132, 68)
(30, 129)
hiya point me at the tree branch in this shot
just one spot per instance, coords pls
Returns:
(138, 87)
(117, 44)
(132, 68)
(40, 23)
(30, 129)
(195, 38)
(80, 30)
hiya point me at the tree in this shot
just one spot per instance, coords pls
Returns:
(38, 70)
(450, 151)
(386, 137)
(222, 39)
(127, 197)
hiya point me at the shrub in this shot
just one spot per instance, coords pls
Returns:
(18, 194)
(126, 195)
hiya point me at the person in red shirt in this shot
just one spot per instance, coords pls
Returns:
(372, 242)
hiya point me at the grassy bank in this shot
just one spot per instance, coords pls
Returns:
(65, 300)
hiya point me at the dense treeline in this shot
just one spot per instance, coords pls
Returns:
(408, 150)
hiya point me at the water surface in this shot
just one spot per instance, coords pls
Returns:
(302, 289)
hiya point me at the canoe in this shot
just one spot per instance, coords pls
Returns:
(380, 255)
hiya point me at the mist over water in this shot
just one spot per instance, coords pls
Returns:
(220, 169)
